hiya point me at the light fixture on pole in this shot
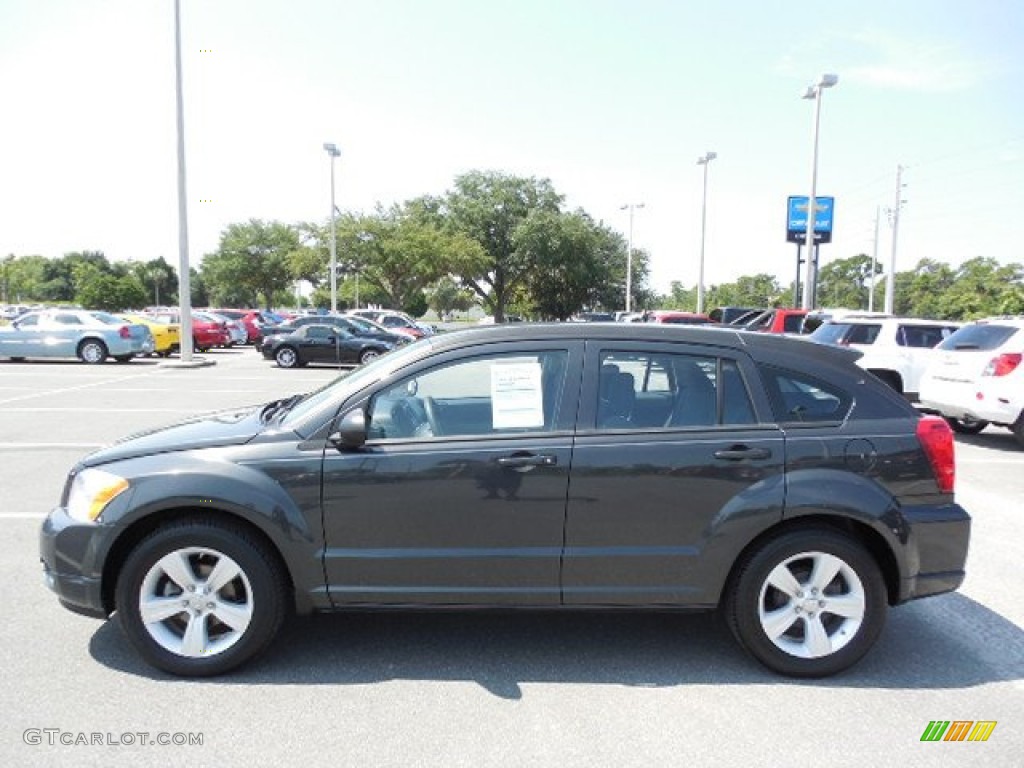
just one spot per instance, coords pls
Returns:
(629, 254)
(705, 161)
(333, 152)
(813, 92)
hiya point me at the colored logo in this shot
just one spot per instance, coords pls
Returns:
(958, 730)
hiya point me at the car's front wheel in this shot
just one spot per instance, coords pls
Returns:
(809, 603)
(966, 426)
(198, 598)
(369, 354)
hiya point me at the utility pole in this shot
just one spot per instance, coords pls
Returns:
(874, 261)
(890, 278)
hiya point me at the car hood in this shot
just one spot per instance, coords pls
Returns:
(214, 430)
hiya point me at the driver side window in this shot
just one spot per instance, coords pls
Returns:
(486, 395)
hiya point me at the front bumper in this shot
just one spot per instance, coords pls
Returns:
(937, 539)
(72, 555)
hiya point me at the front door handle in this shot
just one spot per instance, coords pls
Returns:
(542, 460)
(741, 452)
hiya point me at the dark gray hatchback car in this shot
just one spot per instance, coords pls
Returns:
(543, 466)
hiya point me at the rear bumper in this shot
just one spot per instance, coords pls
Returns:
(937, 539)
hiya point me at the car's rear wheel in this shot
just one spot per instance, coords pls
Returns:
(368, 354)
(123, 358)
(199, 598)
(287, 357)
(1018, 430)
(966, 426)
(809, 603)
(92, 351)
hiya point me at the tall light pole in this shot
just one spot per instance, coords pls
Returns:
(705, 161)
(629, 254)
(890, 278)
(333, 152)
(184, 289)
(813, 92)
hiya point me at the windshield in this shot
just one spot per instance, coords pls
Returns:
(349, 383)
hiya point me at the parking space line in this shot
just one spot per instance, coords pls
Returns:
(45, 393)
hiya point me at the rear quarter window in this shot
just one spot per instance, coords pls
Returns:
(799, 398)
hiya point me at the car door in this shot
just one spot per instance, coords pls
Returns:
(318, 344)
(24, 338)
(458, 496)
(676, 464)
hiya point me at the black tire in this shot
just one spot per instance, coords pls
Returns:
(966, 426)
(369, 354)
(123, 358)
(256, 597)
(752, 602)
(92, 351)
(1018, 430)
(287, 357)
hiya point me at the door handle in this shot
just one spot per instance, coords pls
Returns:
(741, 452)
(542, 460)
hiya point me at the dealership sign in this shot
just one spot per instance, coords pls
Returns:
(796, 219)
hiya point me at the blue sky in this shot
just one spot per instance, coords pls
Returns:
(610, 99)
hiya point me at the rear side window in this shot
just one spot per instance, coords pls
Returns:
(637, 390)
(792, 323)
(984, 336)
(922, 336)
(799, 398)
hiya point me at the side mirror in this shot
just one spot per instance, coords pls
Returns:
(351, 433)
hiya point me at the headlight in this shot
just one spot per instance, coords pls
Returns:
(91, 491)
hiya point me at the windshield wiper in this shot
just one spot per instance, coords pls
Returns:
(278, 407)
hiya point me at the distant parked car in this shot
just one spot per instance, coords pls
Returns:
(237, 334)
(897, 350)
(253, 320)
(391, 320)
(729, 315)
(166, 336)
(977, 377)
(676, 318)
(322, 344)
(779, 320)
(90, 336)
(357, 326)
(207, 333)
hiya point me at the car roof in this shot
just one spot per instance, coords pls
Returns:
(760, 345)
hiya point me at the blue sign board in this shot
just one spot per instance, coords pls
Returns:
(796, 219)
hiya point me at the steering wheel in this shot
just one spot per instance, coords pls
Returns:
(430, 408)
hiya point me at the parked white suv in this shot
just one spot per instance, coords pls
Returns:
(897, 350)
(977, 377)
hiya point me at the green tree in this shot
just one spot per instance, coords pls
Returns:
(99, 289)
(488, 206)
(446, 296)
(844, 282)
(251, 263)
(398, 252)
(160, 280)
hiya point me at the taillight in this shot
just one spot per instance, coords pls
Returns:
(936, 438)
(125, 332)
(1002, 365)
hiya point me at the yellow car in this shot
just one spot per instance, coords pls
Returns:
(166, 335)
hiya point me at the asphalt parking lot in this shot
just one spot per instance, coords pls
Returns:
(476, 690)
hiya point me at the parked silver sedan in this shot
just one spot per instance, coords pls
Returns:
(91, 336)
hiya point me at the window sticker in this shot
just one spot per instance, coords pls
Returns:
(517, 400)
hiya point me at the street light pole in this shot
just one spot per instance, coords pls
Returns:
(333, 152)
(705, 161)
(813, 92)
(629, 255)
(184, 288)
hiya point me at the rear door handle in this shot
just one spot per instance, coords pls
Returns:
(542, 460)
(741, 452)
